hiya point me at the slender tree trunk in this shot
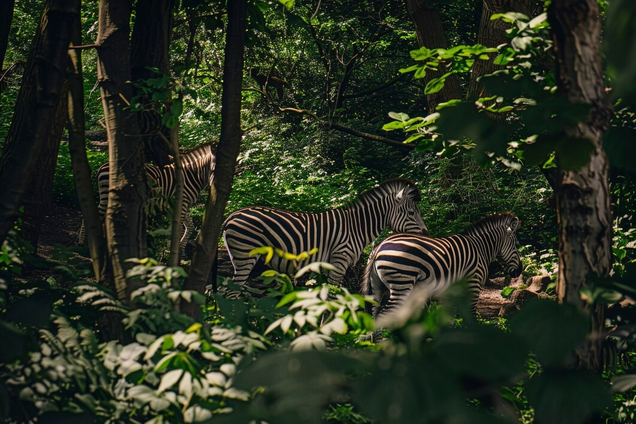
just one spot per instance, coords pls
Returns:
(149, 49)
(6, 16)
(79, 160)
(430, 34)
(228, 149)
(583, 195)
(125, 220)
(492, 34)
(38, 197)
(177, 217)
(36, 106)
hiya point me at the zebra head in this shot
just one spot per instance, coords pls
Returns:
(508, 255)
(403, 214)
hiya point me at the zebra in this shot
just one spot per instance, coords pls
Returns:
(403, 261)
(340, 235)
(198, 167)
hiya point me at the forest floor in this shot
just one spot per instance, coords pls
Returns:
(61, 225)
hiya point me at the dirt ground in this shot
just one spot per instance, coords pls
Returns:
(62, 223)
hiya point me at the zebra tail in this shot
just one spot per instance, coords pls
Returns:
(367, 286)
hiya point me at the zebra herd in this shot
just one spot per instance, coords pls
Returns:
(396, 266)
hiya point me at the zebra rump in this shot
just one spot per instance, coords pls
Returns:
(340, 234)
(403, 261)
(198, 167)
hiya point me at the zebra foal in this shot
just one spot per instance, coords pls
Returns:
(198, 167)
(403, 261)
(340, 234)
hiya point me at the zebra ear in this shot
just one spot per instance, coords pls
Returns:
(514, 224)
(400, 195)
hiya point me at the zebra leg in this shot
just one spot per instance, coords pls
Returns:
(186, 225)
(242, 267)
(398, 291)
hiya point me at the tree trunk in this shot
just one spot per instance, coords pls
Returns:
(430, 34)
(79, 160)
(583, 205)
(228, 149)
(36, 106)
(492, 33)
(149, 48)
(6, 16)
(177, 217)
(125, 219)
(38, 197)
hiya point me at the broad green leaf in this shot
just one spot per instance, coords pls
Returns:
(541, 324)
(399, 116)
(567, 396)
(169, 380)
(436, 84)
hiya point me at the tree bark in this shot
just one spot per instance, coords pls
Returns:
(6, 16)
(125, 219)
(430, 34)
(228, 150)
(492, 33)
(36, 106)
(583, 206)
(79, 160)
(38, 197)
(149, 49)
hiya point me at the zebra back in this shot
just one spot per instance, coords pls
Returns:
(340, 234)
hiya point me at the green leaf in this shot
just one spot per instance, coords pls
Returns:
(409, 69)
(399, 116)
(289, 4)
(567, 396)
(541, 324)
(436, 84)
(574, 153)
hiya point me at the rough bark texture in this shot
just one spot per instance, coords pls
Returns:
(36, 106)
(6, 16)
(79, 160)
(229, 143)
(125, 215)
(149, 48)
(492, 33)
(583, 195)
(38, 196)
(430, 34)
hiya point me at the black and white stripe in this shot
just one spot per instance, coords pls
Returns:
(198, 172)
(340, 234)
(404, 261)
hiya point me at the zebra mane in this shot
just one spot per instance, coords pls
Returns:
(193, 155)
(393, 185)
(490, 221)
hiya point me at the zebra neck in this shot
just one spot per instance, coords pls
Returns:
(368, 220)
(486, 244)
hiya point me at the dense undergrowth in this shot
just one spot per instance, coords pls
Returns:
(289, 354)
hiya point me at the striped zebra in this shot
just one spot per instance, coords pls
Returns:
(340, 234)
(198, 167)
(403, 261)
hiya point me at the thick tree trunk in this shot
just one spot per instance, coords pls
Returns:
(228, 150)
(125, 220)
(6, 16)
(79, 160)
(583, 195)
(38, 197)
(149, 48)
(430, 34)
(36, 106)
(492, 33)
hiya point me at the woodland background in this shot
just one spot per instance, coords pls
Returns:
(356, 93)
